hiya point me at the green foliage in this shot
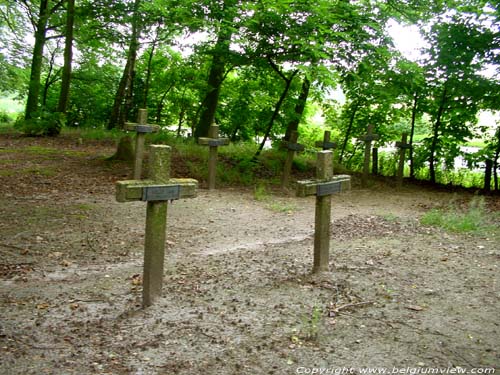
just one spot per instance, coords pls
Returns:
(473, 218)
(4, 117)
(42, 123)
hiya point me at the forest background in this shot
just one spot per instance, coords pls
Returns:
(260, 70)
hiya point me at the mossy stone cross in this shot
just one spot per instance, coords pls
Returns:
(141, 128)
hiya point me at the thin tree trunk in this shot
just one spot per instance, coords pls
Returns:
(181, 120)
(68, 58)
(277, 108)
(49, 80)
(348, 131)
(435, 138)
(495, 160)
(412, 132)
(159, 107)
(299, 108)
(119, 111)
(148, 72)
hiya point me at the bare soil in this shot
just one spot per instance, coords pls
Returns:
(239, 296)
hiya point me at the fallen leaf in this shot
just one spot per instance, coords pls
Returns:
(136, 279)
(414, 307)
(74, 306)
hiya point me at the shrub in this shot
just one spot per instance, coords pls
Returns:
(42, 123)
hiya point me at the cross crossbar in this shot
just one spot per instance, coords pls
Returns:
(141, 128)
(325, 145)
(401, 145)
(337, 184)
(293, 146)
(213, 142)
(134, 190)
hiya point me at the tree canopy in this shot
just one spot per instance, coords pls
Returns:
(256, 67)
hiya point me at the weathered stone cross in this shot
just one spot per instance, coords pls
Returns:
(156, 191)
(141, 128)
(292, 146)
(323, 187)
(325, 144)
(367, 138)
(403, 146)
(213, 141)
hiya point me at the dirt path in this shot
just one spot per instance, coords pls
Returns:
(238, 294)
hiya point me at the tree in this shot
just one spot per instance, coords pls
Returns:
(125, 87)
(460, 47)
(68, 57)
(40, 21)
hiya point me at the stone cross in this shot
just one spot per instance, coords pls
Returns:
(156, 191)
(325, 144)
(368, 138)
(292, 146)
(141, 128)
(213, 141)
(323, 187)
(403, 146)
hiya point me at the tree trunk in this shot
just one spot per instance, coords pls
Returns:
(160, 105)
(495, 160)
(299, 108)
(348, 131)
(277, 108)
(215, 79)
(435, 138)
(181, 120)
(50, 79)
(68, 58)
(412, 132)
(148, 72)
(37, 60)
(118, 112)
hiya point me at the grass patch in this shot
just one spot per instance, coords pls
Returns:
(95, 134)
(284, 207)
(40, 171)
(472, 219)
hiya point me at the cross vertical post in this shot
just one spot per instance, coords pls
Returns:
(375, 161)
(292, 146)
(156, 191)
(367, 139)
(323, 187)
(213, 141)
(322, 219)
(403, 146)
(141, 128)
(156, 225)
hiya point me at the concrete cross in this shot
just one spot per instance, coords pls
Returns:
(403, 146)
(367, 138)
(141, 128)
(325, 144)
(292, 146)
(213, 141)
(323, 187)
(156, 191)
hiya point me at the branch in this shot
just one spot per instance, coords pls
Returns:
(56, 6)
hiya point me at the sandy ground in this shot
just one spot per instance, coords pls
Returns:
(238, 295)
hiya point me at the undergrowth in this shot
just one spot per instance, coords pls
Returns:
(473, 219)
